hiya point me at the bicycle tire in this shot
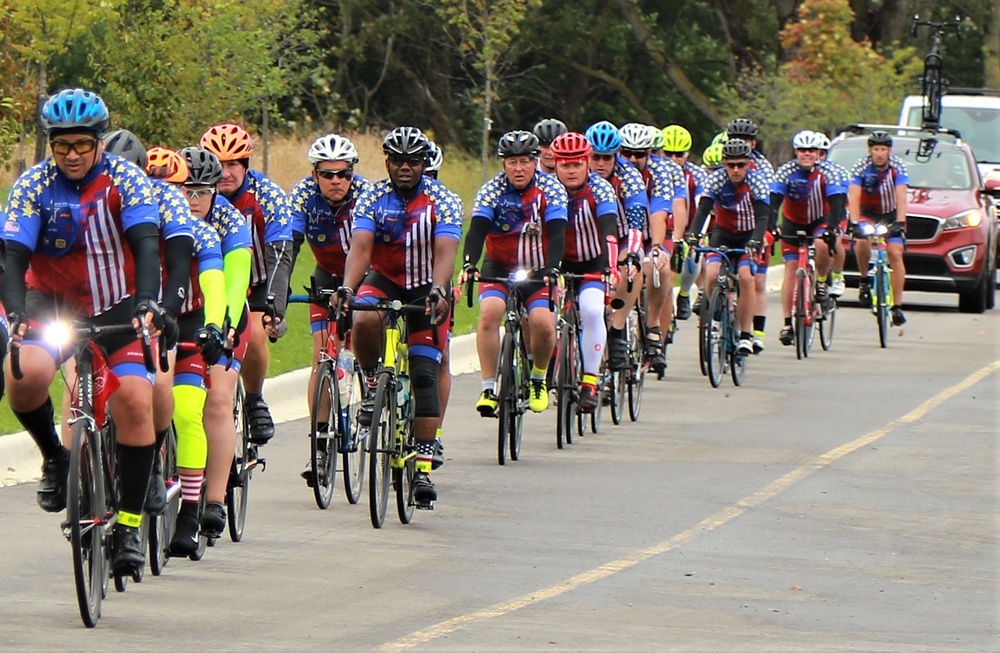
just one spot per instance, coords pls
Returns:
(619, 391)
(637, 365)
(827, 323)
(574, 388)
(238, 486)
(324, 441)
(88, 539)
(799, 308)
(203, 544)
(161, 528)
(522, 391)
(354, 459)
(602, 384)
(381, 444)
(563, 399)
(716, 344)
(505, 394)
(403, 476)
(881, 305)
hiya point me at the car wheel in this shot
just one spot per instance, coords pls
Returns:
(975, 300)
(991, 288)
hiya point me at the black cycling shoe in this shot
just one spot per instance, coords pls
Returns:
(865, 294)
(617, 354)
(261, 424)
(321, 462)
(156, 493)
(438, 458)
(787, 336)
(213, 519)
(423, 489)
(683, 307)
(366, 409)
(588, 397)
(898, 318)
(126, 547)
(51, 494)
(185, 539)
(654, 351)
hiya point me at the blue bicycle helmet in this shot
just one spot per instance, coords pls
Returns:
(75, 109)
(604, 137)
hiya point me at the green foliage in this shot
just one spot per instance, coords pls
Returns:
(10, 125)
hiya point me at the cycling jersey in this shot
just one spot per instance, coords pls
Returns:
(405, 228)
(176, 221)
(234, 235)
(327, 229)
(266, 207)
(517, 239)
(878, 186)
(734, 204)
(668, 184)
(587, 204)
(633, 203)
(75, 231)
(696, 178)
(207, 256)
(759, 162)
(805, 192)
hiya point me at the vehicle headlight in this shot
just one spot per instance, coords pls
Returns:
(970, 218)
(57, 334)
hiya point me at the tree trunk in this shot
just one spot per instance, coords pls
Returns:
(43, 82)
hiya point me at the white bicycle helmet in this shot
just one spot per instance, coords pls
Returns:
(332, 148)
(806, 139)
(636, 136)
(824, 141)
(435, 159)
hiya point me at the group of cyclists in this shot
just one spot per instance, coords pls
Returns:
(195, 246)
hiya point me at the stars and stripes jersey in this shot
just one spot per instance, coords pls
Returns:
(207, 256)
(696, 178)
(759, 162)
(734, 210)
(517, 238)
(665, 182)
(265, 206)
(594, 199)
(805, 192)
(327, 229)
(175, 221)
(405, 228)
(836, 172)
(878, 187)
(76, 230)
(230, 225)
(633, 203)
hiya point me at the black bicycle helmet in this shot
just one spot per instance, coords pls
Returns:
(204, 168)
(517, 143)
(879, 138)
(406, 141)
(742, 128)
(736, 148)
(126, 144)
(549, 129)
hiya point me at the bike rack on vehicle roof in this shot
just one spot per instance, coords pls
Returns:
(902, 130)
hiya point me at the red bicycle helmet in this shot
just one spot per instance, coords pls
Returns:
(570, 147)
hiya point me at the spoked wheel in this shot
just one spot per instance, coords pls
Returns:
(506, 395)
(85, 512)
(738, 367)
(636, 374)
(161, 527)
(238, 490)
(715, 345)
(619, 390)
(802, 322)
(522, 390)
(353, 458)
(564, 387)
(323, 434)
(827, 323)
(381, 443)
(203, 540)
(577, 376)
(402, 478)
(882, 306)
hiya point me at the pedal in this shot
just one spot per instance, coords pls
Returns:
(424, 506)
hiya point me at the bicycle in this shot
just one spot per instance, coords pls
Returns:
(330, 395)
(809, 310)
(92, 486)
(625, 385)
(718, 330)
(880, 280)
(391, 442)
(934, 86)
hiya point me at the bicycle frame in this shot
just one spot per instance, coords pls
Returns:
(934, 86)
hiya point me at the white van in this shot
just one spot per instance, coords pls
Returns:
(975, 115)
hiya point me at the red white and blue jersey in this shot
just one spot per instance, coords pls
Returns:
(633, 203)
(759, 162)
(665, 182)
(265, 206)
(517, 237)
(207, 256)
(594, 199)
(878, 187)
(175, 220)
(405, 228)
(805, 192)
(76, 230)
(696, 178)
(734, 210)
(327, 229)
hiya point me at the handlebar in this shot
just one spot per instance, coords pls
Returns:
(517, 277)
(397, 307)
(73, 332)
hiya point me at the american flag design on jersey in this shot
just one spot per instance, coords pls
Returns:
(405, 228)
(266, 208)
(878, 187)
(696, 178)
(734, 211)
(633, 203)
(175, 221)
(805, 192)
(583, 236)
(327, 230)
(207, 256)
(232, 227)
(669, 184)
(759, 162)
(76, 230)
(516, 239)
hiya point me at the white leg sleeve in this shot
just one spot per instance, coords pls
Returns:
(595, 332)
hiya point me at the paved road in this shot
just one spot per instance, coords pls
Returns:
(847, 502)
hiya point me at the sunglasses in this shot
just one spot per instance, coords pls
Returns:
(602, 157)
(62, 148)
(676, 155)
(346, 173)
(199, 193)
(412, 161)
(807, 149)
(635, 154)
(736, 165)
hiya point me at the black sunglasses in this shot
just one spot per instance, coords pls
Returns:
(635, 154)
(346, 173)
(736, 165)
(412, 161)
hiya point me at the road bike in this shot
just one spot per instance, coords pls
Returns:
(810, 312)
(934, 85)
(626, 384)
(718, 329)
(880, 280)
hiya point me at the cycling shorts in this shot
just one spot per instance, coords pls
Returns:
(420, 329)
(722, 238)
(190, 366)
(534, 293)
(789, 250)
(317, 312)
(235, 361)
(881, 218)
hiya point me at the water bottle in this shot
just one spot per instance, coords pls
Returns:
(345, 385)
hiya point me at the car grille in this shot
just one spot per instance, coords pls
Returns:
(926, 266)
(921, 228)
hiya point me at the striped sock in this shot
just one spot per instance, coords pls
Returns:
(191, 486)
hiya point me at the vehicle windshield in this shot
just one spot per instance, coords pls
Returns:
(946, 167)
(980, 128)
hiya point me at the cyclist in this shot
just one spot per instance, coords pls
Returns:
(813, 199)
(406, 228)
(88, 225)
(547, 130)
(667, 193)
(265, 206)
(877, 194)
(630, 189)
(843, 177)
(739, 196)
(434, 161)
(677, 148)
(591, 247)
(520, 215)
(224, 352)
(321, 209)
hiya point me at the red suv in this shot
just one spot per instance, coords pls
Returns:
(951, 218)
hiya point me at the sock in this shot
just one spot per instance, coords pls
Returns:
(537, 374)
(820, 279)
(788, 321)
(745, 335)
(758, 334)
(682, 293)
(758, 322)
(589, 379)
(38, 423)
(134, 465)
(490, 383)
(425, 456)
(615, 334)
(191, 486)
(836, 275)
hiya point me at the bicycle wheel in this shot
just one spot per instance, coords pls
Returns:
(323, 433)
(603, 381)
(715, 346)
(353, 458)
(577, 373)
(827, 323)
(203, 544)
(522, 390)
(381, 444)
(506, 394)
(238, 490)
(799, 306)
(882, 305)
(161, 527)
(618, 389)
(562, 372)
(704, 338)
(403, 476)
(85, 513)
(637, 366)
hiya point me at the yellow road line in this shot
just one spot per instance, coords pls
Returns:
(720, 518)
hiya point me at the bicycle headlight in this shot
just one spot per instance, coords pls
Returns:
(519, 275)
(867, 228)
(57, 334)
(881, 229)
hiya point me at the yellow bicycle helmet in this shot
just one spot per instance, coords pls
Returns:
(676, 139)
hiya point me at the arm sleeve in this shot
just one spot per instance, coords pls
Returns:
(177, 252)
(776, 200)
(761, 212)
(144, 241)
(236, 268)
(701, 215)
(213, 288)
(555, 232)
(608, 224)
(12, 288)
(837, 211)
(278, 257)
(474, 240)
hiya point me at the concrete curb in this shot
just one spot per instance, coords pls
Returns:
(20, 461)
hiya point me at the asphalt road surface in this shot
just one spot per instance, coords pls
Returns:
(843, 503)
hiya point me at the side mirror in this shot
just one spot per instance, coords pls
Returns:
(992, 186)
